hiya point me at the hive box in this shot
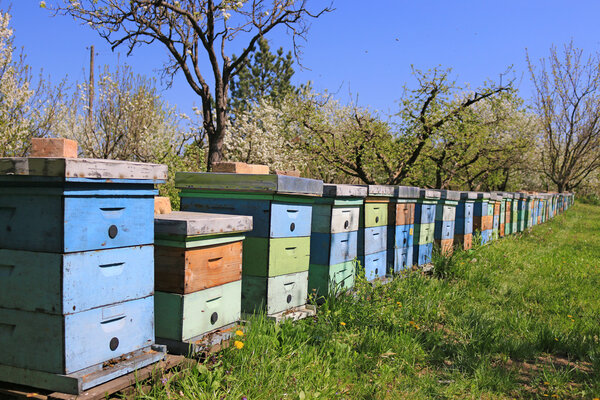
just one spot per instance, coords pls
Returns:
(334, 239)
(445, 220)
(77, 306)
(401, 225)
(425, 209)
(495, 203)
(278, 247)
(483, 217)
(463, 228)
(372, 233)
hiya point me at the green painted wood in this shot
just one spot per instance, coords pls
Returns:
(274, 294)
(247, 196)
(182, 317)
(423, 233)
(272, 257)
(324, 280)
(375, 214)
(195, 241)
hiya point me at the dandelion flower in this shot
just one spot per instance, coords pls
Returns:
(411, 322)
(239, 333)
(570, 316)
(42, 4)
(238, 345)
(546, 383)
(342, 323)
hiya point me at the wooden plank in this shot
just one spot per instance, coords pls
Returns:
(84, 168)
(335, 190)
(375, 214)
(407, 192)
(331, 249)
(53, 147)
(468, 195)
(186, 271)
(188, 223)
(277, 256)
(240, 168)
(382, 190)
(429, 194)
(162, 205)
(401, 213)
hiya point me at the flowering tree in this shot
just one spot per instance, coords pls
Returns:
(25, 111)
(196, 32)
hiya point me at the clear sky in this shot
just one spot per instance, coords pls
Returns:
(364, 47)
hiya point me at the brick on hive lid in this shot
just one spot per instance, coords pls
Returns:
(240, 168)
(53, 148)
(288, 173)
(162, 205)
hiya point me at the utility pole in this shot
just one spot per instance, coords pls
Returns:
(91, 91)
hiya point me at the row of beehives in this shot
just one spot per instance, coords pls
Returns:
(78, 276)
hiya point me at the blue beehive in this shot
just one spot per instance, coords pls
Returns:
(425, 209)
(76, 240)
(463, 226)
(401, 224)
(372, 233)
(483, 219)
(445, 216)
(334, 239)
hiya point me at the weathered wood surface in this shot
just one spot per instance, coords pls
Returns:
(274, 294)
(423, 233)
(402, 258)
(445, 212)
(401, 213)
(182, 317)
(483, 196)
(403, 236)
(333, 219)
(381, 190)
(463, 226)
(407, 192)
(71, 283)
(372, 240)
(162, 205)
(65, 344)
(425, 213)
(94, 385)
(375, 265)
(341, 190)
(330, 279)
(466, 241)
(83, 168)
(422, 253)
(331, 249)
(446, 246)
(186, 271)
(468, 196)
(429, 194)
(240, 168)
(452, 195)
(188, 223)
(375, 214)
(52, 223)
(249, 183)
(53, 147)
(277, 256)
(204, 344)
(444, 230)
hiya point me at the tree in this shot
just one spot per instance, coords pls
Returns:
(263, 77)
(193, 32)
(567, 100)
(25, 111)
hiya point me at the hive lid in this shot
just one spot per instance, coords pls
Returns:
(189, 223)
(449, 194)
(381, 190)
(429, 194)
(407, 192)
(263, 183)
(483, 195)
(341, 190)
(468, 195)
(495, 196)
(69, 168)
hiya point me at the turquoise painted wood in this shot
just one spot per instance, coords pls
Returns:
(65, 344)
(71, 224)
(275, 294)
(375, 265)
(74, 282)
(269, 218)
(332, 249)
(184, 316)
(324, 280)
(372, 240)
(276, 256)
(328, 218)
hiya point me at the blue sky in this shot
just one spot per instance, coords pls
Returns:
(364, 48)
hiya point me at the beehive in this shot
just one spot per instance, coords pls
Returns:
(495, 203)
(401, 224)
(463, 227)
(334, 239)
(276, 255)
(198, 273)
(425, 210)
(483, 217)
(445, 216)
(372, 232)
(77, 283)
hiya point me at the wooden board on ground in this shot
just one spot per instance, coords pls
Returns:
(295, 314)
(11, 391)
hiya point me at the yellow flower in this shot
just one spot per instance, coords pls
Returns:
(570, 316)
(399, 304)
(239, 333)
(238, 345)
(557, 341)
(411, 322)
(546, 383)
(342, 323)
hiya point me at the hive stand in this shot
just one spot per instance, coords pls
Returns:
(276, 253)
(483, 217)
(76, 294)
(463, 226)
(197, 278)
(334, 239)
(425, 209)
(372, 233)
(401, 225)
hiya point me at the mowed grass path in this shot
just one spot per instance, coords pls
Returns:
(519, 318)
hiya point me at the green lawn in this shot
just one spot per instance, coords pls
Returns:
(517, 318)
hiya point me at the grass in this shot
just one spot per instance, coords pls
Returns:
(519, 318)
